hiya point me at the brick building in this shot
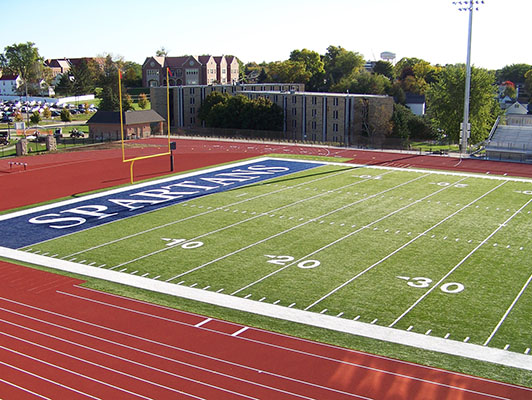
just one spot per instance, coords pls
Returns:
(350, 119)
(105, 125)
(190, 70)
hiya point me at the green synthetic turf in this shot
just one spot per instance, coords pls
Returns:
(413, 250)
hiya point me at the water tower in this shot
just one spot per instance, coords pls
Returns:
(388, 56)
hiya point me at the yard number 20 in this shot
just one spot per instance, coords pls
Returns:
(284, 260)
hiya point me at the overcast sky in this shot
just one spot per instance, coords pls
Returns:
(433, 30)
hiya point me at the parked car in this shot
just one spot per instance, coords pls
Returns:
(3, 139)
(7, 119)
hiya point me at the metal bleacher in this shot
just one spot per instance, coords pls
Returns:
(511, 142)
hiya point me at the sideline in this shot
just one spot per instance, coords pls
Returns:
(447, 346)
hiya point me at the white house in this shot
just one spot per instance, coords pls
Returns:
(416, 103)
(9, 84)
(516, 108)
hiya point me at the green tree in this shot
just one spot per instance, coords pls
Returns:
(23, 59)
(65, 86)
(340, 63)
(313, 65)
(109, 95)
(65, 116)
(162, 52)
(514, 73)
(143, 101)
(445, 102)
(384, 68)
(35, 117)
(363, 82)
(132, 74)
(210, 101)
(83, 82)
(406, 125)
(288, 72)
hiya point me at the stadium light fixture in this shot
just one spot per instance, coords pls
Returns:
(468, 6)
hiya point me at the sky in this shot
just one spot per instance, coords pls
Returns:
(433, 30)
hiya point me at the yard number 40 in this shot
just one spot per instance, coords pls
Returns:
(284, 260)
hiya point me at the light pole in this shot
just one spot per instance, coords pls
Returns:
(467, 6)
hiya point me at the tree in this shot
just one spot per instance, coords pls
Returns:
(339, 63)
(445, 102)
(110, 100)
(408, 126)
(363, 82)
(65, 86)
(384, 68)
(162, 52)
(83, 82)
(528, 81)
(288, 72)
(132, 74)
(313, 65)
(24, 60)
(515, 73)
(35, 117)
(46, 114)
(65, 115)
(143, 101)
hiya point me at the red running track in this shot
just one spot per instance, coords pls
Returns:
(53, 176)
(60, 340)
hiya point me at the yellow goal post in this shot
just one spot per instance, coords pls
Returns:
(133, 159)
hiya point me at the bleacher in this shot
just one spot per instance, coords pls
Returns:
(511, 142)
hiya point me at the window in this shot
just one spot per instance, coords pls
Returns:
(192, 100)
(191, 91)
(294, 123)
(192, 110)
(335, 128)
(335, 101)
(294, 100)
(314, 100)
(314, 125)
(314, 112)
(294, 111)
(335, 114)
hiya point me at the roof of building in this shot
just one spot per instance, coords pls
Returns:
(412, 98)
(130, 117)
(9, 77)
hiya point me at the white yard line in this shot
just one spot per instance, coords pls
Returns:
(293, 228)
(401, 247)
(238, 223)
(205, 213)
(341, 239)
(458, 265)
(508, 311)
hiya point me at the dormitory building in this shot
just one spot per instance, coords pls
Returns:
(348, 119)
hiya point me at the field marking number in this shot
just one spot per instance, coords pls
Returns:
(458, 185)
(283, 260)
(422, 282)
(189, 245)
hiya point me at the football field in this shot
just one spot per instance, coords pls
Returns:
(441, 254)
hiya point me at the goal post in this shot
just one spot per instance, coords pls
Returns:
(168, 151)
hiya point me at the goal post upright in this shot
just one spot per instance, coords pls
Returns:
(132, 160)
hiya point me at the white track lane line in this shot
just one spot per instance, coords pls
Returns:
(177, 349)
(110, 355)
(356, 352)
(313, 355)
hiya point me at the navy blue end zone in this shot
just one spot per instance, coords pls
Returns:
(25, 228)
